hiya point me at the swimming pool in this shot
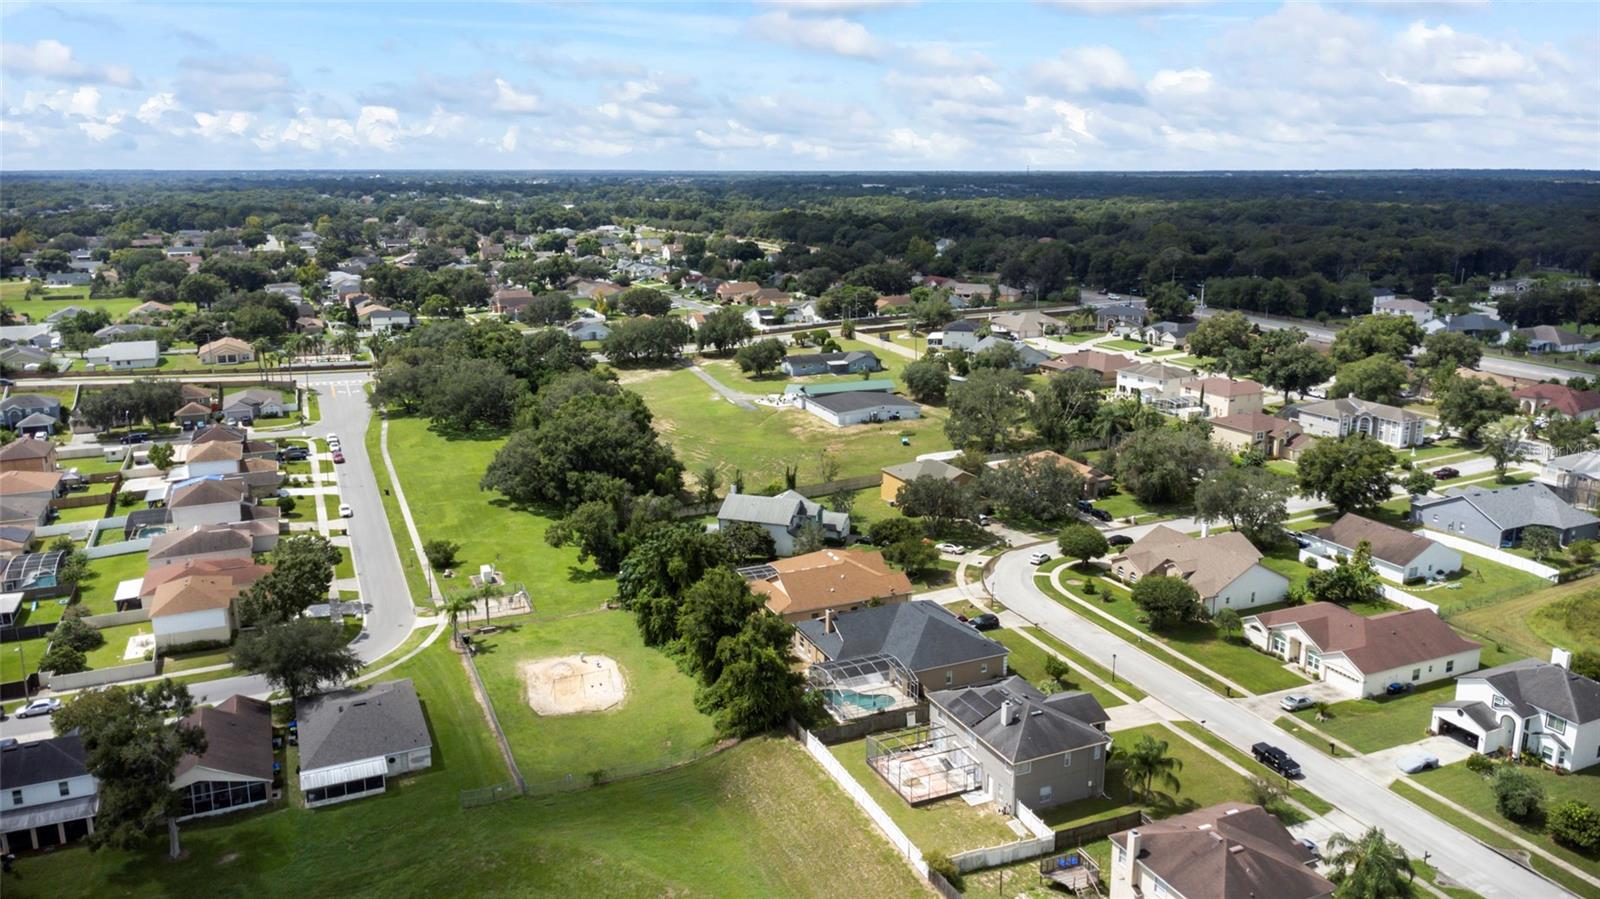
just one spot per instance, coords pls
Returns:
(869, 701)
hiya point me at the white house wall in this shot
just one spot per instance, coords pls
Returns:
(1259, 586)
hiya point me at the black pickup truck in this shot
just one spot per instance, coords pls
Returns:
(1276, 759)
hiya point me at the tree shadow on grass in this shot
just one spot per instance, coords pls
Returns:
(576, 575)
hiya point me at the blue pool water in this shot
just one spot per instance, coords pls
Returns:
(870, 701)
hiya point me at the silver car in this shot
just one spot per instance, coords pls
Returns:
(1294, 702)
(1413, 762)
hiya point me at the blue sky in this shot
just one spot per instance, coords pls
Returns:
(1071, 84)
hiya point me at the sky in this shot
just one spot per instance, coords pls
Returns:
(1078, 85)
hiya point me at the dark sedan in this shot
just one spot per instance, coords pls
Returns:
(984, 622)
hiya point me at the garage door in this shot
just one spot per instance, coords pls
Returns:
(1446, 729)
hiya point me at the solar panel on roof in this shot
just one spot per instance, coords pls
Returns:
(757, 572)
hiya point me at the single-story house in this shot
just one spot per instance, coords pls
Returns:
(847, 363)
(23, 357)
(1362, 656)
(1498, 516)
(198, 544)
(125, 355)
(587, 329)
(64, 313)
(148, 312)
(783, 516)
(1536, 399)
(736, 291)
(48, 797)
(1106, 365)
(868, 385)
(845, 409)
(241, 572)
(28, 454)
(1510, 286)
(1152, 380)
(1095, 481)
(42, 337)
(1034, 750)
(1222, 397)
(1574, 477)
(941, 651)
(897, 476)
(1391, 426)
(351, 741)
(1278, 438)
(1026, 324)
(236, 770)
(1029, 358)
(1225, 569)
(17, 406)
(226, 351)
(1227, 851)
(191, 415)
(1551, 339)
(828, 582)
(1397, 555)
(256, 402)
(1527, 706)
(1171, 335)
(1416, 310)
(1473, 324)
(893, 303)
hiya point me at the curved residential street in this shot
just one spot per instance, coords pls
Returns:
(390, 613)
(1454, 853)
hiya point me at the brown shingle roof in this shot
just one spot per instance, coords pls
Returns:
(242, 572)
(199, 541)
(238, 738)
(1379, 643)
(829, 578)
(1560, 397)
(26, 448)
(216, 451)
(1087, 472)
(194, 408)
(192, 593)
(1209, 564)
(1227, 851)
(1388, 542)
(18, 482)
(1253, 422)
(205, 493)
(1224, 387)
(1094, 360)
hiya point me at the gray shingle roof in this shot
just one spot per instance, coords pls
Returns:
(348, 726)
(1475, 321)
(850, 402)
(1521, 505)
(920, 634)
(1037, 727)
(847, 356)
(774, 510)
(127, 351)
(29, 401)
(42, 761)
(1475, 710)
(917, 468)
(1530, 683)
(1352, 406)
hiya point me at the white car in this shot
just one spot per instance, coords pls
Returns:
(1038, 558)
(332, 437)
(1294, 702)
(955, 549)
(39, 707)
(345, 511)
(1413, 762)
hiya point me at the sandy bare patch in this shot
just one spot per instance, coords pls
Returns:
(572, 685)
(636, 375)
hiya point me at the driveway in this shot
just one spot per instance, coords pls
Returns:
(1367, 801)
(1380, 766)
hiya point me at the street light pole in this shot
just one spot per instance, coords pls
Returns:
(1113, 667)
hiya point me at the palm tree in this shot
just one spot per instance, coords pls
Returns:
(1369, 867)
(454, 607)
(1147, 762)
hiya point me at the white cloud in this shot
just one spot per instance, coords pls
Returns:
(1448, 55)
(509, 99)
(1180, 83)
(831, 35)
(1097, 71)
(508, 141)
(943, 57)
(54, 60)
(1121, 7)
(949, 87)
(735, 136)
(222, 125)
(157, 107)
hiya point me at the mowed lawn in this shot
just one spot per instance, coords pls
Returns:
(1203, 781)
(1384, 721)
(705, 429)
(946, 825)
(1027, 660)
(656, 720)
(722, 827)
(440, 478)
(38, 308)
(1473, 792)
(727, 371)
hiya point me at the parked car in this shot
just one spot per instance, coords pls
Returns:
(293, 454)
(1311, 847)
(345, 511)
(1119, 540)
(338, 458)
(332, 436)
(1085, 506)
(1396, 688)
(135, 437)
(954, 549)
(1276, 759)
(1412, 762)
(1100, 514)
(983, 520)
(1294, 702)
(39, 707)
(1446, 472)
(984, 622)
(1039, 558)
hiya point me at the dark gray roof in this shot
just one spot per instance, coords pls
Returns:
(1036, 727)
(1349, 405)
(1529, 683)
(42, 761)
(349, 725)
(962, 324)
(1475, 321)
(920, 634)
(850, 402)
(917, 468)
(38, 420)
(29, 401)
(1475, 710)
(1518, 505)
(1177, 329)
(848, 356)
(774, 510)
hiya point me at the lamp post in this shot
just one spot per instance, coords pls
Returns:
(1113, 667)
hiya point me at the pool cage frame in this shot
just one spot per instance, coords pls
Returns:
(924, 763)
(879, 673)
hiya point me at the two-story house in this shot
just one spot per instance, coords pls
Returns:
(783, 516)
(1227, 851)
(47, 795)
(1527, 706)
(1342, 417)
(1221, 397)
(1152, 381)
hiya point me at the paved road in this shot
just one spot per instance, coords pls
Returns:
(1454, 853)
(390, 614)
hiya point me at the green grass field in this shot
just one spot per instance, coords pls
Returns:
(947, 825)
(1381, 722)
(98, 589)
(724, 369)
(1203, 781)
(110, 653)
(657, 719)
(705, 429)
(1126, 506)
(722, 827)
(39, 308)
(1473, 792)
(1027, 660)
